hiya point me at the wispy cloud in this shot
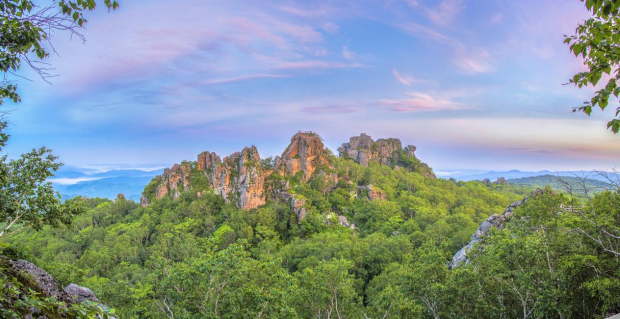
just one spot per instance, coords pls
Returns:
(243, 78)
(348, 54)
(306, 12)
(446, 12)
(424, 32)
(419, 101)
(330, 27)
(333, 109)
(473, 63)
(496, 19)
(317, 65)
(404, 79)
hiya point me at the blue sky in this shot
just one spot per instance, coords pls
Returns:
(473, 84)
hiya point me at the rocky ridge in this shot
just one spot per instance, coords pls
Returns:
(241, 178)
(497, 221)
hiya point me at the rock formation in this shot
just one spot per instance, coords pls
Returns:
(40, 281)
(174, 181)
(497, 221)
(144, 201)
(238, 178)
(373, 193)
(305, 153)
(363, 149)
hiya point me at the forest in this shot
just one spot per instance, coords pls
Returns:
(201, 257)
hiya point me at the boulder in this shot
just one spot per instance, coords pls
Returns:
(43, 283)
(373, 193)
(80, 294)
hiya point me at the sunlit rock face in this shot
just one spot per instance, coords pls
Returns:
(174, 181)
(238, 178)
(305, 153)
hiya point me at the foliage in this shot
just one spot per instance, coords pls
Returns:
(26, 199)
(199, 257)
(597, 41)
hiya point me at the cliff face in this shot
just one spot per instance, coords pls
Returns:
(238, 178)
(363, 149)
(175, 181)
(305, 153)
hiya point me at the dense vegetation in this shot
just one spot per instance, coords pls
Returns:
(199, 257)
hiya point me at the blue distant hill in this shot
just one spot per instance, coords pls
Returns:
(72, 182)
(514, 174)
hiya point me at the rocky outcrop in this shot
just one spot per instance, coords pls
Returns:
(306, 153)
(363, 149)
(372, 193)
(501, 181)
(174, 181)
(144, 201)
(238, 178)
(494, 221)
(296, 202)
(38, 279)
(80, 294)
(43, 283)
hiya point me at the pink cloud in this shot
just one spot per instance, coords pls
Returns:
(332, 109)
(420, 102)
(316, 65)
(406, 80)
(305, 12)
(473, 63)
(243, 78)
(446, 12)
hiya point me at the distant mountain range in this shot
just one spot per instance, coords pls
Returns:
(74, 182)
(514, 174)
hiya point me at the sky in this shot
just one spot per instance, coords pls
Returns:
(474, 84)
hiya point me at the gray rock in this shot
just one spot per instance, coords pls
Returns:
(81, 293)
(495, 220)
(39, 278)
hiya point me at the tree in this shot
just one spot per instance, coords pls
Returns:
(597, 40)
(25, 198)
(24, 27)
